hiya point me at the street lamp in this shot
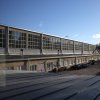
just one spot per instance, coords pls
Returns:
(66, 36)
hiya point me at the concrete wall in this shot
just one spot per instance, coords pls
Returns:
(90, 52)
(14, 65)
(85, 52)
(67, 51)
(39, 64)
(25, 52)
(31, 51)
(77, 52)
(2, 51)
(42, 65)
(44, 51)
(48, 52)
(53, 64)
(14, 51)
(61, 62)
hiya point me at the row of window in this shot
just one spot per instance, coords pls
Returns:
(33, 68)
(78, 46)
(19, 40)
(2, 38)
(33, 41)
(50, 65)
(86, 47)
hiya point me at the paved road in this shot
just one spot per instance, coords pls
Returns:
(50, 86)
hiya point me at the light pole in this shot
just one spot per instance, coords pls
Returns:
(66, 36)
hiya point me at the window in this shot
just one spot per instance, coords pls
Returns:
(91, 47)
(56, 43)
(33, 67)
(67, 45)
(70, 45)
(33, 41)
(10, 68)
(17, 39)
(86, 47)
(64, 44)
(2, 38)
(50, 65)
(47, 42)
(78, 46)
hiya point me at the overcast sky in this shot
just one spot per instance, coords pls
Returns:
(73, 19)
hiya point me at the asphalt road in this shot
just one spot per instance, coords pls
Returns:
(50, 86)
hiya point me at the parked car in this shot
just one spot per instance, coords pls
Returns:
(78, 66)
(85, 65)
(75, 67)
(53, 70)
(92, 62)
(62, 69)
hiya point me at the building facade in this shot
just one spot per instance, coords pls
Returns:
(22, 49)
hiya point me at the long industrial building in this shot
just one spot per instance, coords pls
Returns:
(22, 49)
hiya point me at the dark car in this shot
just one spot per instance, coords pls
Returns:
(53, 70)
(78, 66)
(75, 67)
(84, 65)
(92, 62)
(62, 69)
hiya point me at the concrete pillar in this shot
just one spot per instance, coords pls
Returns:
(27, 64)
(94, 49)
(81, 59)
(26, 41)
(82, 51)
(75, 60)
(58, 62)
(7, 40)
(45, 66)
(61, 62)
(89, 48)
(30, 68)
(73, 47)
(2, 77)
(52, 43)
(20, 68)
(86, 59)
(41, 44)
(60, 46)
(65, 63)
